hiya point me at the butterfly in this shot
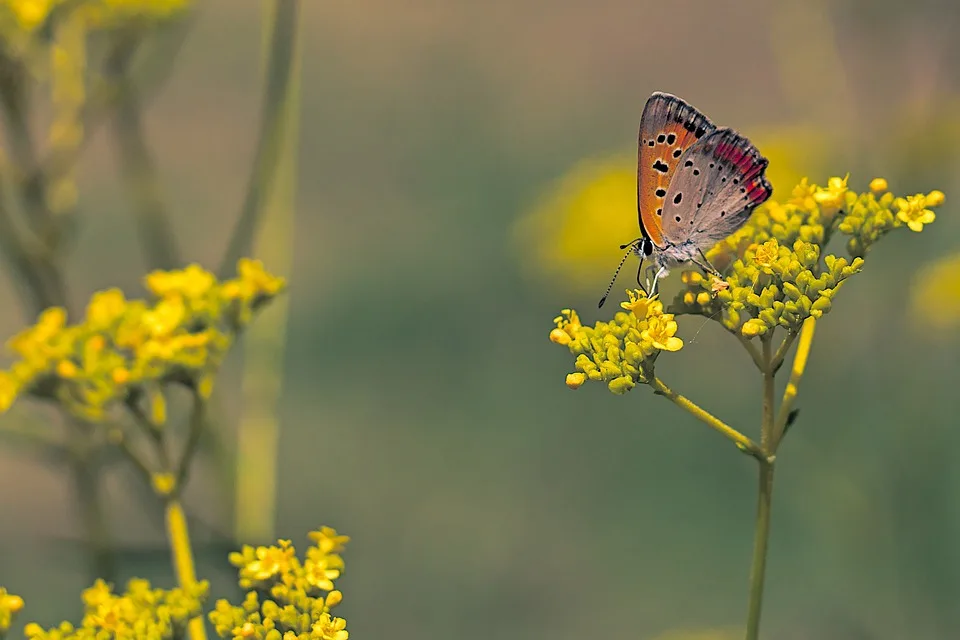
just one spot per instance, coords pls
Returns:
(696, 184)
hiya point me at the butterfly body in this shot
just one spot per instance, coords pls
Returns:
(696, 184)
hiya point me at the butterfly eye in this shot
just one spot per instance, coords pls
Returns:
(647, 247)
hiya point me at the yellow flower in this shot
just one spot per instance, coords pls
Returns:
(570, 236)
(9, 389)
(271, 561)
(660, 330)
(330, 628)
(253, 273)
(832, 198)
(30, 14)
(568, 326)
(166, 317)
(935, 198)
(641, 306)
(192, 282)
(879, 185)
(30, 340)
(327, 540)
(576, 380)
(913, 211)
(803, 194)
(766, 254)
(319, 574)
(105, 307)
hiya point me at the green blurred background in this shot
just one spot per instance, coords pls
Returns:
(424, 412)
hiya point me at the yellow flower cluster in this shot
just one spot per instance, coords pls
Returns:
(125, 348)
(287, 598)
(29, 15)
(771, 286)
(142, 613)
(776, 274)
(10, 606)
(621, 352)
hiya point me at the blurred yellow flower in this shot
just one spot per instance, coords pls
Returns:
(913, 211)
(30, 14)
(935, 297)
(879, 185)
(572, 233)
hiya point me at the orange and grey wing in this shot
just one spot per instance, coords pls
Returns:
(668, 127)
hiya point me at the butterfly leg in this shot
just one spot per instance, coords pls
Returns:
(705, 265)
(653, 287)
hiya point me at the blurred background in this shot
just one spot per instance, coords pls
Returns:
(423, 410)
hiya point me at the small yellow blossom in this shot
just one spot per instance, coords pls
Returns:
(833, 197)
(766, 254)
(935, 198)
(271, 561)
(879, 185)
(660, 331)
(327, 540)
(575, 380)
(913, 211)
(640, 305)
(803, 194)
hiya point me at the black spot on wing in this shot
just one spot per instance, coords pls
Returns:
(661, 166)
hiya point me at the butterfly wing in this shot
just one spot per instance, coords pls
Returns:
(669, 127)
(719, 182)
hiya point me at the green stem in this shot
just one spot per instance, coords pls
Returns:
(761, 536)
(744, 443)
(781, 353)
(272, 124)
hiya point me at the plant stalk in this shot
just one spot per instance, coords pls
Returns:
(182, 555)
(761, 536)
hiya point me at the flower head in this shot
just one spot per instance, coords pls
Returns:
(294, 597)
(620, 352)
(913, 211)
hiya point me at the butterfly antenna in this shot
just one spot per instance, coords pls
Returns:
(616, 273)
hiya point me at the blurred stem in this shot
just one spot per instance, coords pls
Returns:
(86, 483)
(181, 552)
(282, 47)
(744, 443)
(198, 419)
(140, 176)
(35, 261)
(258, 432)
